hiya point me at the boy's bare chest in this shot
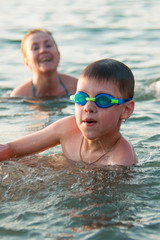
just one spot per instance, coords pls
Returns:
(71, 147)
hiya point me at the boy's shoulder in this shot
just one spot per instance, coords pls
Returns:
(66, 124)
(124, 153)
(68, 120)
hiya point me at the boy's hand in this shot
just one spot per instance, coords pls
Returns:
(5, 152)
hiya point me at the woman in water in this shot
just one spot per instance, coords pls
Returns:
(42, 56)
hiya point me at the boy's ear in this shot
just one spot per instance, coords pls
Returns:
(127, 110)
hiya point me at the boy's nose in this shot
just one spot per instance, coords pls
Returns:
(90, 107)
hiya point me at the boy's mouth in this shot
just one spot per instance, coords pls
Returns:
(89, 121)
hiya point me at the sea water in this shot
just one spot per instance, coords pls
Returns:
(46, 196)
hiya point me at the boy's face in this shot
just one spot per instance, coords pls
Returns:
(41, 52)
(93, 121)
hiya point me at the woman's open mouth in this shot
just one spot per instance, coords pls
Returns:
(45, 59)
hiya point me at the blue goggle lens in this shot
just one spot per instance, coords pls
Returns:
(80, 98)
(103, 100)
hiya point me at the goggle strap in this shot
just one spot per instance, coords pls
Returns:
(120, 101)
(72, 97)
(127, 99)
(114, 101)
(91, 99)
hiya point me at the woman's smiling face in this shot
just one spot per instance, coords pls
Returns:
(41, 53)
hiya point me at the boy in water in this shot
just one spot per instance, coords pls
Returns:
(103, 100)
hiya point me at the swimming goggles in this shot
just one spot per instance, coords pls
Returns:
(102, 100)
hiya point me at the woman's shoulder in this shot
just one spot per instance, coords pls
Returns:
(24, 89)
(68, 80)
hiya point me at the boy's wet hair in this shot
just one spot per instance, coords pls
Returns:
(110, 70)
(32, 32)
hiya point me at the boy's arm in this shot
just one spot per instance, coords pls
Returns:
(29, 144)
(36, 142)
(5, 152)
